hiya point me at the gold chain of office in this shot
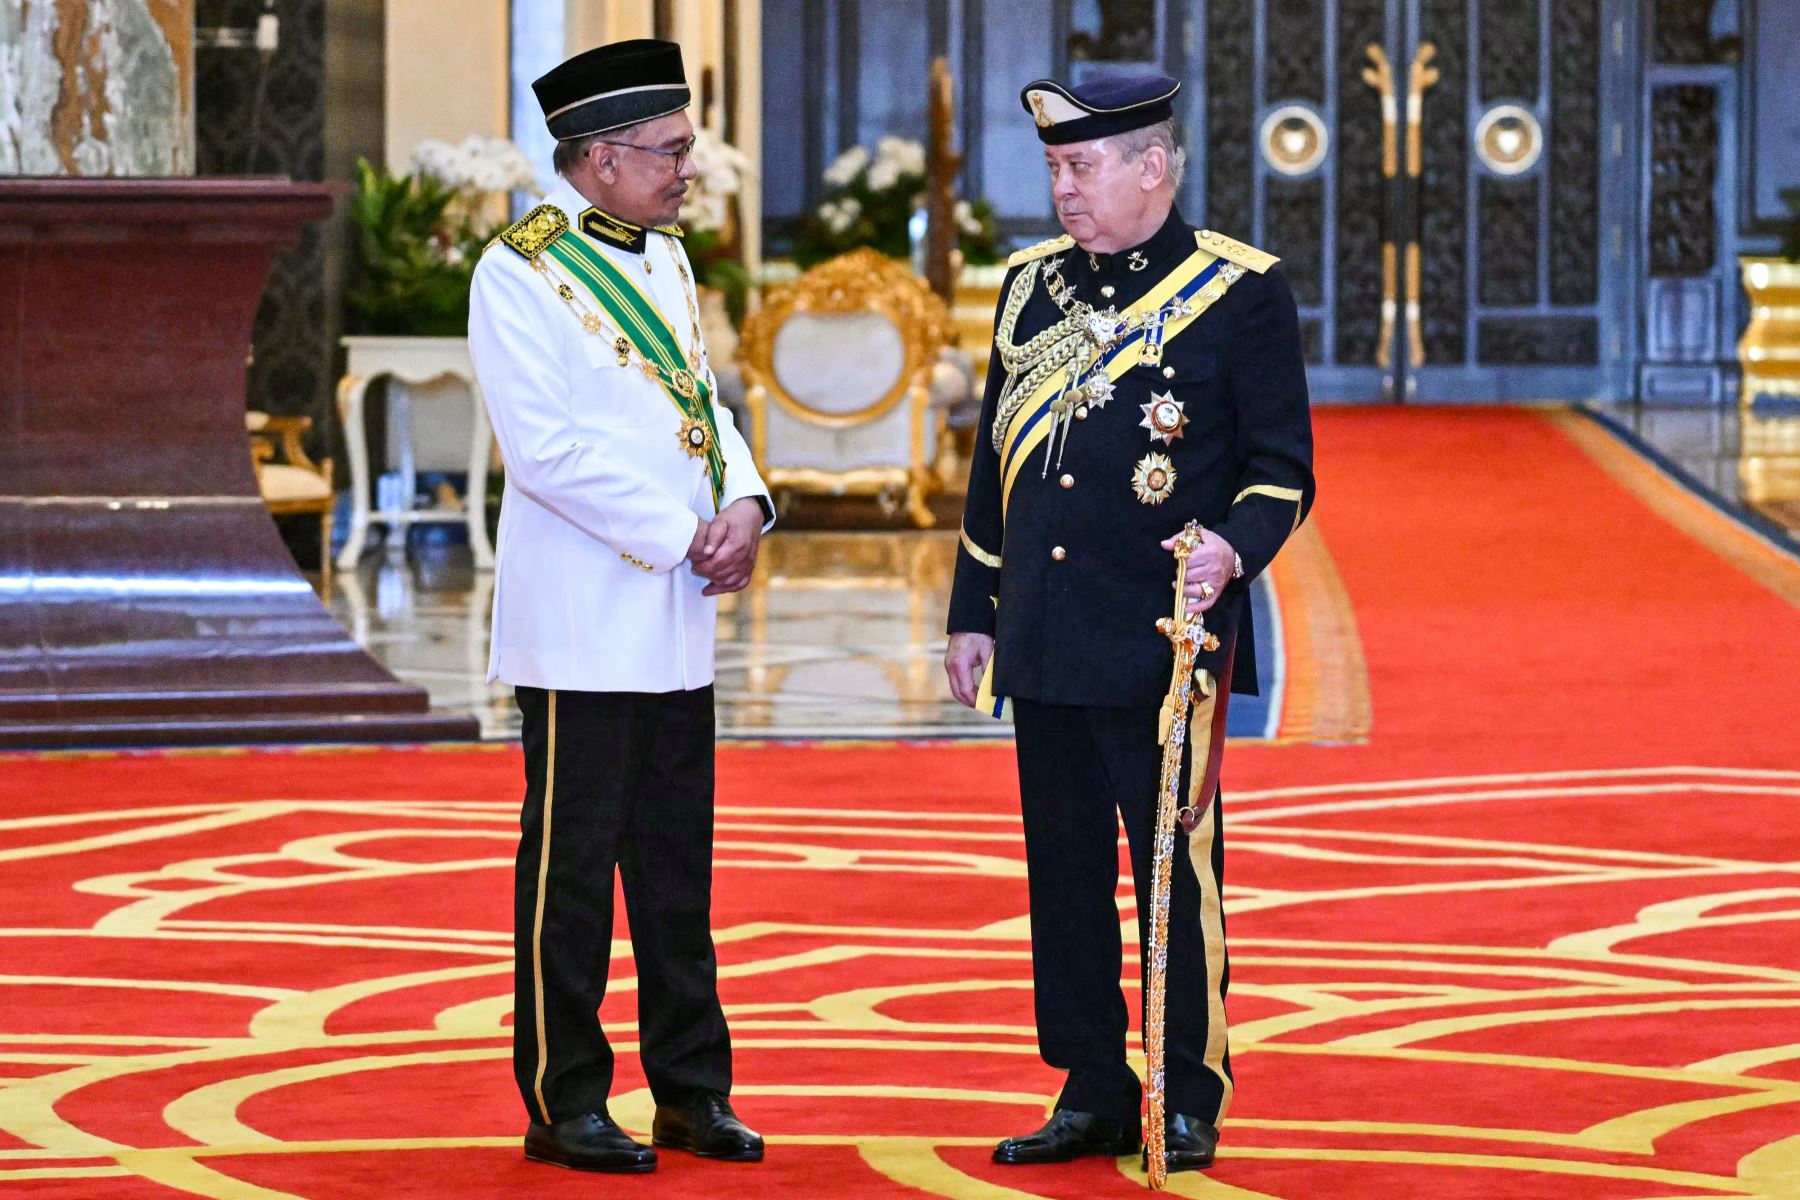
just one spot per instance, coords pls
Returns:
(1076, 342)
(685, 382)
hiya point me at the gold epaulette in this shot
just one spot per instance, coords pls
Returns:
(674, 231)
(1051, 246)
(536, 230)
(1232, 250)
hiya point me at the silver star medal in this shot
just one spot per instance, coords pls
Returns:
(1164, 417)
(1097, 390)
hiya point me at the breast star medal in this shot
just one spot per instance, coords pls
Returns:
(1153, 479)
(695, 437)
(1097, 390)
(1164, 417)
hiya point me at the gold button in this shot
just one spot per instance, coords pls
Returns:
(1067, 481)
(1107, 291)
(1081, 412)
(1059, 554)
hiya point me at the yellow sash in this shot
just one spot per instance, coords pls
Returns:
(1030, 426)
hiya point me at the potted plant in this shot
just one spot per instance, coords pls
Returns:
(419, 236)
(421, 233)
(871, 199)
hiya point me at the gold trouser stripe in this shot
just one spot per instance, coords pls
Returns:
(537, 921)
(1278, 493)
(1212, 912)
(977, 553)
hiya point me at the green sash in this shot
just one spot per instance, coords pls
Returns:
(637, 318)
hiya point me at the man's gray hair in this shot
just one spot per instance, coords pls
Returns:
(1136, 141)
(570, 151)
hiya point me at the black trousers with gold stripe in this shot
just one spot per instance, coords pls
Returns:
(615, 781)
(1081, 770)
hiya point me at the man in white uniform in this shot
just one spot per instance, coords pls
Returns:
(631, 501)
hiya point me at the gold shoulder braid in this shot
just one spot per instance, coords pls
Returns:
(1047, 246)
(1077, 343)
(536, 230)
(1232, 250)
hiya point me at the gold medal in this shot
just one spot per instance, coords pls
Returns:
(695, 437)
(1153, 479)
(1164, 417)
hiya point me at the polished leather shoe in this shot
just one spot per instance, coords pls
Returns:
(1070, 1135)
(706, 1126)
(1188, 1143)
(590, 1142)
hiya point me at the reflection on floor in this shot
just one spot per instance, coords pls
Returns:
(840, 635)
(1756, 469)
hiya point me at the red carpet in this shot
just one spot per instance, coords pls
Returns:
(1534, 937)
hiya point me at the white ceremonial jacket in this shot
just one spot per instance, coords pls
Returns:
(592, 590)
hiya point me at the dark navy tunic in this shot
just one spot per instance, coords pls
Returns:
(1082, 577)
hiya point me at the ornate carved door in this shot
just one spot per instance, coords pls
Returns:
(1409, 160)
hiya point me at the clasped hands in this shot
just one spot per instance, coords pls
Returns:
(723, 551)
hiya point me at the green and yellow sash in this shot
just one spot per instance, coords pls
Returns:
(634, 314)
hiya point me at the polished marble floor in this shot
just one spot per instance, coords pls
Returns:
(1710, 445)
(840, 635)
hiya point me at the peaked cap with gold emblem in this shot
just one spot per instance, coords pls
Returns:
(1098, 107)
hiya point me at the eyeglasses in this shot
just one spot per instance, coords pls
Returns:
(677, 156)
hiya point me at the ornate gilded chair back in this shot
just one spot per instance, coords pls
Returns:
(838, 369)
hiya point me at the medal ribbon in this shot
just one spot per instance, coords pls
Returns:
(636, 316)
(1199, 280)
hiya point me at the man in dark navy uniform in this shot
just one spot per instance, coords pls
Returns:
(1145, 374)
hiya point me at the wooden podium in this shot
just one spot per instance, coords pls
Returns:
(145, 596)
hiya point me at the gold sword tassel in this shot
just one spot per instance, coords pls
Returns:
(1188, 633)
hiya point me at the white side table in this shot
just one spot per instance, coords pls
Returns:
(416, 361)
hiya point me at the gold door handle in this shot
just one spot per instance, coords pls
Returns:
(1380, 76)
(1420, 78)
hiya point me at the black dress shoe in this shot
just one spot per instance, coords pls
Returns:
(1070, 1135)
(590, 1142)
(1188, 1143)
(706, 1126)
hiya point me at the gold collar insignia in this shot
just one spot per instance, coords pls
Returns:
(614, 231)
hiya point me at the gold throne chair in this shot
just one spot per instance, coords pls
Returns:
(838, 373)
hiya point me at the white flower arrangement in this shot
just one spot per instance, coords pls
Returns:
(476, 164)
(723, 169)
(846, 167)
(874, 197)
